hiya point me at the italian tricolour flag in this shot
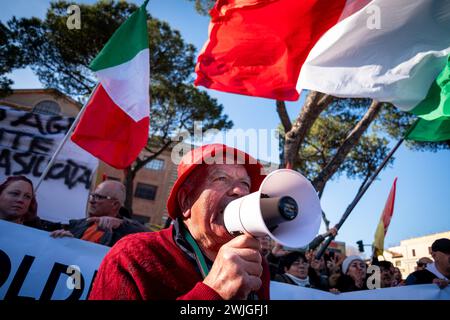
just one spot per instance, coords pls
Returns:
(115, 123)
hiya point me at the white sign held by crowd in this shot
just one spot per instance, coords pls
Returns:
(35, 266)
(283, 291)
(27, 142)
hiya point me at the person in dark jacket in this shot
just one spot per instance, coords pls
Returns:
(437, 272)
(104, 225)
(321, 237)
(297, 271)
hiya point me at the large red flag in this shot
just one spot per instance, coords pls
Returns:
(257, 47)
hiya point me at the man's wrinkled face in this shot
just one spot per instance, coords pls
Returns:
(219, 185)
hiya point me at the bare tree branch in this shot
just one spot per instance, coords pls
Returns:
(284, 116)
(315, 103)
(326, 221)
(350, 141)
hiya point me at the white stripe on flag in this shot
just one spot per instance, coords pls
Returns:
(127, 85)
(396, 63)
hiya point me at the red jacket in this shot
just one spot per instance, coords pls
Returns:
(147, 265)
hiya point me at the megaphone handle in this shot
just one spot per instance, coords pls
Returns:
(324, 247)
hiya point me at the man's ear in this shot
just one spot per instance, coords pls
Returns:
(117, 205)
(184, 203)
(433, 255)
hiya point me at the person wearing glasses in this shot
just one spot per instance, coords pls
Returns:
(104, 224)
(297, 271)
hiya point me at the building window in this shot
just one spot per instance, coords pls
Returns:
(413, 252)
(398, 263)
(47, 107)
(155, 164)
(145, 191)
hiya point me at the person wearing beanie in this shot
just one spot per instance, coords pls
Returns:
(353, 276)
(437, 272)
(195, 258)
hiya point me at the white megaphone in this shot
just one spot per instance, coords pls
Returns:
(286, 207)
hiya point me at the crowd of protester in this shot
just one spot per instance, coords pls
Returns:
(108, 221)
(336, 273)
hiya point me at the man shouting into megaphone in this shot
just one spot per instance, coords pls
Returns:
(196, 257)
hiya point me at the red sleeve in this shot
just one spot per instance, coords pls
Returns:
(113, 280)
(201, 291)
(264, 291)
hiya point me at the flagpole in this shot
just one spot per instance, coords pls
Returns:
(361, 193)
(63, 141)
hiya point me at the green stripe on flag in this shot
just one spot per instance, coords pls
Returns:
(437, 102)
(128, 40)
(435, 130)
(434, 111)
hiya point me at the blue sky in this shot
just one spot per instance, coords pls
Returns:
(423, 186)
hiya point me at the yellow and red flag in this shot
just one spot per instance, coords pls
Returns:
(385, 219)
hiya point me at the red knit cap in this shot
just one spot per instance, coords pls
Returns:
(212, 154)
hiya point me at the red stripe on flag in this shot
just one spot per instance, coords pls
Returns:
(389, 207)
(108, 133)
(257, 47)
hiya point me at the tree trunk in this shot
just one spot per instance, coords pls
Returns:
(129, 179)
(131, 171)
(326, 221)
(315, 103)
(350, 141)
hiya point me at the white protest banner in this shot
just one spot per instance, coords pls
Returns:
(27, 142)
(284, 291)
(35, 266)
